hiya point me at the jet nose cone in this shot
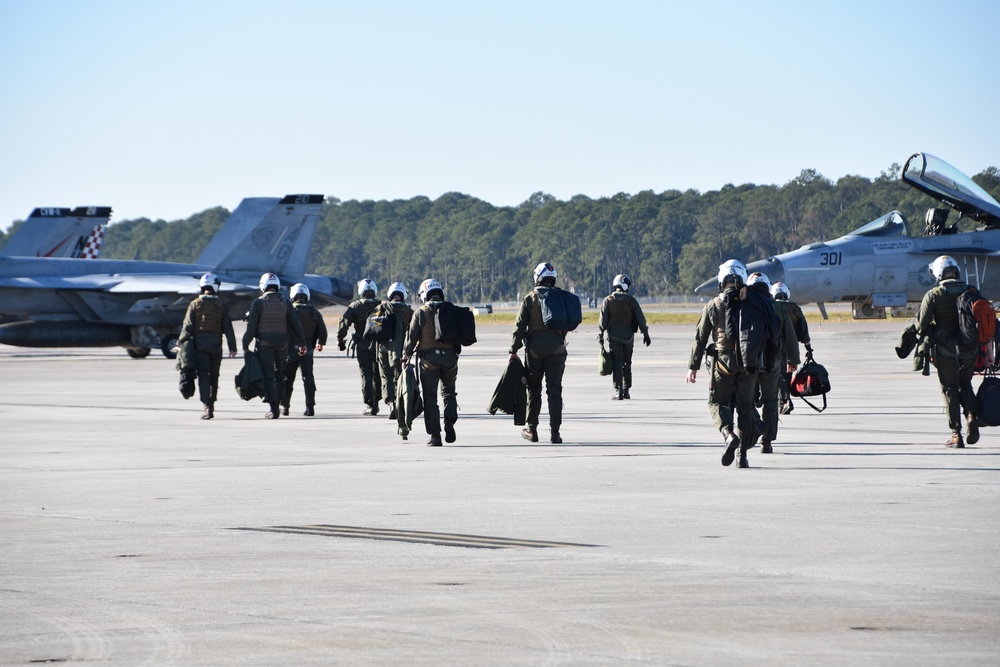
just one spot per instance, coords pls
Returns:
(707, 288)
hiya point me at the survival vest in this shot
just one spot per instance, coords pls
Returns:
(208, 310)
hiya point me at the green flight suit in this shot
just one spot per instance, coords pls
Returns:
(938, 313)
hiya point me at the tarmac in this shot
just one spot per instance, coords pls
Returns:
(135, 533)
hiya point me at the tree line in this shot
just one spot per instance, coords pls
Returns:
(668, 242)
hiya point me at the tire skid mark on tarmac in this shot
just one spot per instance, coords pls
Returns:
(416, 537)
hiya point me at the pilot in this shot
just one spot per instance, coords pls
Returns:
(314, 329)
(785, 307)
(206, 321)
(438, 364)
(938, 315)
(769, 378)
(356, 316)
(744, 329)
(273, 322)
(546, 357)
(621, 317)
(390, 352)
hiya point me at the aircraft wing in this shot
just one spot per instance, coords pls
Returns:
(145, 284)
(94, 283)
(171, 284)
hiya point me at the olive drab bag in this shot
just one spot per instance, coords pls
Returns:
(454, 324)
(811, 379)
(187, 364)
(381, 325)
(561, 310)
(510, 396)
(409, 404)
(605, 366)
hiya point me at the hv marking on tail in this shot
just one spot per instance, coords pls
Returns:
(418, 537)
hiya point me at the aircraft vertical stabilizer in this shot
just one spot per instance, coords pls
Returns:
(250, 212)
(60, 232)
(271, 245)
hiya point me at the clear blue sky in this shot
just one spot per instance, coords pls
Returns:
(164, 109)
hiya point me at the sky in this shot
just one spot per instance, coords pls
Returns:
(165, 109)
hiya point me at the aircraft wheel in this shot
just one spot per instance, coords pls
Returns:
(168, 345)
(138, 352)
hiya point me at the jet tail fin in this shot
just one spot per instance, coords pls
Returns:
(91, 248)
(268, 235)
(60, 232)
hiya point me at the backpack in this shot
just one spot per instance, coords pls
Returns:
(561, 310)
(977, 320)
(812, 379)
(380, 325)
(759, 327)
(454, 324)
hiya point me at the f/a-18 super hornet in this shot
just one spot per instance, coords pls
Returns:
(879, 265)
(139, 305)
(60, 232)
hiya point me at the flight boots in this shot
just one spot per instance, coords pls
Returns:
(732, 443)
(972, 434)
(556, 438)
(530, 433)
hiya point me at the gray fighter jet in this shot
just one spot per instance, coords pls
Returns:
(879, 265)
(138, 305)
(60, 232)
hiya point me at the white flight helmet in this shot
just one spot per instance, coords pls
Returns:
(758, 277)
(210, 280)
(732, 268)
(941, 264)
(780, 291)
(428, 286)
(397, 287)
(367, 285)
(299, 288)
(269, 280)
(623, 281)
(544, 270)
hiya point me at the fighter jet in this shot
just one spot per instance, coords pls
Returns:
(879, 265)
(140, 305)
(60, 232)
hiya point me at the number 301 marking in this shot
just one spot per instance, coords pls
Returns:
(830, 258)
